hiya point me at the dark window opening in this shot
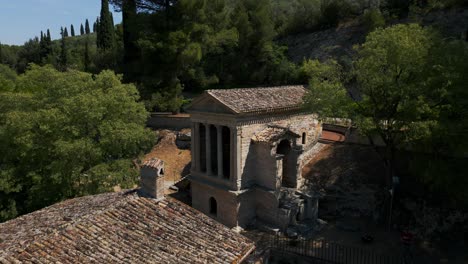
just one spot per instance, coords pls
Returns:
(284, 148)
(202, 153)
(303, 138)
(214, 149)
(213, 206)
(226, 152)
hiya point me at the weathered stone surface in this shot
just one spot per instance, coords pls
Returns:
(270, 140)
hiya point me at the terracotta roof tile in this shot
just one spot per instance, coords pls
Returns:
(154, 163)
(265, 99)
(119, 227)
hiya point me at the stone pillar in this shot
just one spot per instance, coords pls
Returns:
(208, 150)
(196, 145)
(219, 130)
(234, 153)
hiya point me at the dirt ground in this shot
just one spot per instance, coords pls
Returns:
(177, 161)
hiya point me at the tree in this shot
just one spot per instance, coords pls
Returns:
(393, 74)
(8, 79)
(63, 60)
(48, 35)
(81, 130)
(65, 32)
(82, 31)
(87, 30)
(106, 32)
(96, 25)
(130, 33)
(87, 59)
(72, 30)
(1, 54)
(29, 53)
(44, 46)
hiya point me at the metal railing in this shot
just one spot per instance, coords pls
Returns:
(329, 252)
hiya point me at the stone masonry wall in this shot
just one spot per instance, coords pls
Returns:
(301, 123)
(227, 209)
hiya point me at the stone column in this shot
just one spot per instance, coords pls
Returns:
(196, 147)
(219, 129)
(208, 150)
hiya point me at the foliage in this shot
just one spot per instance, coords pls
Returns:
(412, 88)
(67, 134)
(373, 19)
(327, 95)
(392, 72)
(105, 29)
(7, 79)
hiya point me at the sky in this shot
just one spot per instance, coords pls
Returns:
(21, 20)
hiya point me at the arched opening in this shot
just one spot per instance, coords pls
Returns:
(213, 206)
(304, 135)
(284, 148)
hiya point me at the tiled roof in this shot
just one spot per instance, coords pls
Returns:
(153, 163)
(116, 228)
(271, 134)
(266, 99)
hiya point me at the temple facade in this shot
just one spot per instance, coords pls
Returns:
(248, 150)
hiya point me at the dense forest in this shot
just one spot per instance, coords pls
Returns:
(73, 110)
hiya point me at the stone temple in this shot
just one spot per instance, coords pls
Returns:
(248, 150)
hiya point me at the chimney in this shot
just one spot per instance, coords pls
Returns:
(152, 178)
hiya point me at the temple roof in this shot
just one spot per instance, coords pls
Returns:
(120, 227)
(255, 100)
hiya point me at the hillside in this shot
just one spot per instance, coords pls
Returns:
(338, 42)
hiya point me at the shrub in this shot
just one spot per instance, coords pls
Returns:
(372, 19)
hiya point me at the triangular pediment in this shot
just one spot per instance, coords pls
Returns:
(209, 104)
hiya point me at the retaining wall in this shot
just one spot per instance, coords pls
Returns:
(168, 121)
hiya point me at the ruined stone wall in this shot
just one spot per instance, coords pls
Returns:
(257, 164)
(268, 210)
(260, 161)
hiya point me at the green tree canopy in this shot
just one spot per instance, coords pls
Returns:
(67, 134)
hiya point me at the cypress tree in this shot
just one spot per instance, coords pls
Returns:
(72, 30)
(82, 30)
(105, 37)
(63, 52)
(48, 35)
(43, 45)
(131, 51)
(1, 54)
(65, 32)
(87, 30)
(95, 25)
